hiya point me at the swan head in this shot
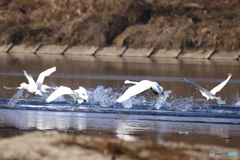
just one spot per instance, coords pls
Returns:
(161, 89)
(131, 82)
(79, 101)
(37, 92)
(126, 81)
(82, 93)
(217, 99)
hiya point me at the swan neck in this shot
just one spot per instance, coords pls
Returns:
(130, 82)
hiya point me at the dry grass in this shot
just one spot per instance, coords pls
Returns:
(147, 150)
(190, 24)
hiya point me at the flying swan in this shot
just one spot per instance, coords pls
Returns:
(209, 94)
(138, 88)
(79, 95)
(36, 88)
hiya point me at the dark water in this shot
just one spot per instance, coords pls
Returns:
(182, 114)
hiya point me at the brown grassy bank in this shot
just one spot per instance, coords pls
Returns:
(189, 24)
(54, 145)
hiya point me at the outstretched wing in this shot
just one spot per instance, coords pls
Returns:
(60, 91)
(29, 78)
(44, 88)
(196, 85)
(132, 91)
(221, 85)
(42, 75)
(12, 87)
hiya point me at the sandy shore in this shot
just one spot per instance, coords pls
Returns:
(54, 145)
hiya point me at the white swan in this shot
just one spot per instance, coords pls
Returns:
(138, 88)
(36, 88)
(79, 95)
(209, 94)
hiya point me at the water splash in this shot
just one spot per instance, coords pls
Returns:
(134, 101)
(237, 101)
(105, 97)
(15, 98)
(161, 101)
(220, 101)
(182, 104)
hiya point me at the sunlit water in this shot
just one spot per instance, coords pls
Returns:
(181, 114)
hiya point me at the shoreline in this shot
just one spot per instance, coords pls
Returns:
(191, 25)
(113, 51)
(56, 145)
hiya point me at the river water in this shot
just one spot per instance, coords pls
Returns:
(182, 114)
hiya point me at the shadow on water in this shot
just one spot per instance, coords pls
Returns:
(180, 115)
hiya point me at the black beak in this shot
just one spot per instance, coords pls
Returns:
(84, 101)
(163, 93)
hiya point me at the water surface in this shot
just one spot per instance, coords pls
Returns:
(182, 114)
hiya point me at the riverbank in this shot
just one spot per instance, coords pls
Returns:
(114, 52)
(55, 145)
(188, 24)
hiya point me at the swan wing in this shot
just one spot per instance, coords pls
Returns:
(203, 90)
(44, 88)
(60, 91)
(132, 91)
(42, 75)
(29, 78)
(221, 85)
(12, 87)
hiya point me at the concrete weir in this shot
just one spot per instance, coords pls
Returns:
(81, 50)
(6, 48)
(110, 51)
(24, 49)
(199, 54)
(222, 55)
(164, 53)
(52, 49)
(123, 52)
(142, 52)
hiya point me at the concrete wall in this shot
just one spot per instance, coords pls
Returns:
(119, 52)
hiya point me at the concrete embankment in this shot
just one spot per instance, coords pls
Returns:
(113, 51)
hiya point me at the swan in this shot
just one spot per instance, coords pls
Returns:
(138, 88)
(79, 95)
(209, 94)
(36, 88)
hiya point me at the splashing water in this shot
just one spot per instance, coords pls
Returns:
(161, 101)
(220, 101)
(102, 96)
(138, 101)
(182, 104)
(15, 98)
(237, 103)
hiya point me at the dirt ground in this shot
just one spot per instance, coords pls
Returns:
(188, 24)
(50, 145)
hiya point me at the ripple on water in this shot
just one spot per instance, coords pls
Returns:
(102, 100)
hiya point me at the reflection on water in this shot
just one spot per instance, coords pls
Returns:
(125, 126)
(43, 120)
(125, 129)
(180, 115)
